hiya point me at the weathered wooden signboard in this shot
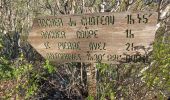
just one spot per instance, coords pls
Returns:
(99, 37)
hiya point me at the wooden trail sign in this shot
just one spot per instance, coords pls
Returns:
(99, 37)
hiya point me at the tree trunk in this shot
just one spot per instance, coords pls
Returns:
(91, 79)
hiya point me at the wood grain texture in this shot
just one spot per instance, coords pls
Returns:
(109, 36)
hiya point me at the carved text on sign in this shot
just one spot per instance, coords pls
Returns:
(100, 37)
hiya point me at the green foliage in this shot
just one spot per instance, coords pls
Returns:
(30, 80)
(1, 46)
(90, 98)
(49, 67)
(6, 72)
(157, 76)
(23, 75)
(106, 81)
(161, 53)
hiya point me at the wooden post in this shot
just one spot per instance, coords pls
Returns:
(90, 67)
(91, 79)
